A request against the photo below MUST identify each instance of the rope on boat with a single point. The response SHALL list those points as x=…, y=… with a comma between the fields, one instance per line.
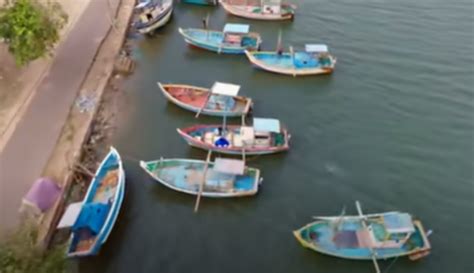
x=390, y=265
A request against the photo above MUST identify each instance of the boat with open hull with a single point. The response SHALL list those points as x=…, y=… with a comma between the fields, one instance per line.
x=99, y=209
x=223, y=178
x=314, y=60
x=259, y=139
x=220, y=100
x=234, y=39
x=269, y=10
x=366, y=237
x=153, y=15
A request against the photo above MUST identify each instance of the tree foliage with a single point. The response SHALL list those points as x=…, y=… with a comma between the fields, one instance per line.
x=20, y=254
x=31, y=28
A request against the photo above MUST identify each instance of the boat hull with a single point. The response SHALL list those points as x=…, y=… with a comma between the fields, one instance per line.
x=158, y=24
x=290, y=71
x=151, y=168
x=186, y=134
x=113, y=212
x=327, y=247
x=240, y=11
x=215, y=46
x=242, y=108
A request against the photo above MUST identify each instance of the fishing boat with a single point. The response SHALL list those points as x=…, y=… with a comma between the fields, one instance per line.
x=366, y=237
x=153, y=15
x=222, y=178
x=265, y=136
x=233, y=39
x=270, y=10
x=95, y=217
x=314, y=60
x=201, y=2
x=220, y=100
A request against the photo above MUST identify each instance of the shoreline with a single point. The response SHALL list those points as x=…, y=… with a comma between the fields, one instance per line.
x=89, y=124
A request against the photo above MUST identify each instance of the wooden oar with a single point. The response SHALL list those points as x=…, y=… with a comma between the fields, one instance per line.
x=201, y=186
x=292, y=52
x=205, y=103
x=363, y=219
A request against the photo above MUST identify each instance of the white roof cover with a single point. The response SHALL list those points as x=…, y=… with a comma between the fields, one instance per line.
x=266, y=125
x=266, y=2
x=316, y=48
x=396, y=222
x=69, y=217
x=226, y=89
x=236, y=28
x=230, y=166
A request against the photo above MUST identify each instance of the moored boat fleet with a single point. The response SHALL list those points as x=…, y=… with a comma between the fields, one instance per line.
x=360, y=237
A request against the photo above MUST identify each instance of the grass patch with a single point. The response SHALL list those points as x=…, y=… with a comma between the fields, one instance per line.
x=19, y=253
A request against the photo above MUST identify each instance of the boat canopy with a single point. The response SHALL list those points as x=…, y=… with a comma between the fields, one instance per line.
x=266, y=125
x=229, y=166
x=225, y=89
x=316, y=48
x=398, y=222
x=236, y=28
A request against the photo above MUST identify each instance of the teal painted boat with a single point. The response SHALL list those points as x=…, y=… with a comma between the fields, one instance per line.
x=314, y=60
x=234, y=39
x=100, y=208
x=366, y=237
x=223, y=178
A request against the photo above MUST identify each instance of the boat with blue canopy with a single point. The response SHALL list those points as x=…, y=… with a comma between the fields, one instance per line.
x=233, y=39
x=366, y=237
x=92, y=220
x=314, y=60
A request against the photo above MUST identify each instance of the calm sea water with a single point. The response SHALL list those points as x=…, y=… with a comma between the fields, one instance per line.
x=392, y=128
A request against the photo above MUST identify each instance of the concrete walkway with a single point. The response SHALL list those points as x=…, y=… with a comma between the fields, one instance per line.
x=24, y=156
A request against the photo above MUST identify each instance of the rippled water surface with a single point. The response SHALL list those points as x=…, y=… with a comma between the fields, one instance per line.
x=392, y=127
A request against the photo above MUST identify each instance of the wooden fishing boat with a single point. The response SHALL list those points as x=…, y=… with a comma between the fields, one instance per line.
x=270, y=10
x=366, y=237
x=153, y=15
x=99, y=210
x=234, y=39
x=266, y=136
x=220, y=100
x=220, y=179
x=314, y=60
x=201, y=2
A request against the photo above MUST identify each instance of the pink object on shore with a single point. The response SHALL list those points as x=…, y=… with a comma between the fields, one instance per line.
x=43, y=194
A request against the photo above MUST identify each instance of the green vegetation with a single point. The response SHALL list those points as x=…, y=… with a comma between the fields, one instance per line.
x=20, y=254
x=30, y=28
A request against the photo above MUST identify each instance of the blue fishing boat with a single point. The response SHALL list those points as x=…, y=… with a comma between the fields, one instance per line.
x=234, y=39
x=201, y=2
x=366, y=237
x=99, y=210
x=314, y=60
